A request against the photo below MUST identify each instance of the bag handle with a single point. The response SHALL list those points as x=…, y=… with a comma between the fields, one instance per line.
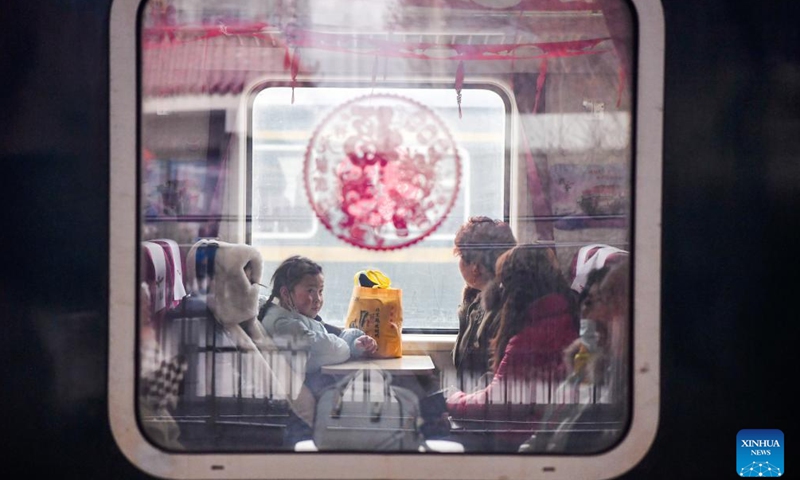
x=341, y=386
x=377, y=407
x=371, y=279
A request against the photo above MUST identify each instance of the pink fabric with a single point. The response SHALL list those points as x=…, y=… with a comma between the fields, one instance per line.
x=155, y=275
x=175, y=286
x=534, y=354
x=163, y=274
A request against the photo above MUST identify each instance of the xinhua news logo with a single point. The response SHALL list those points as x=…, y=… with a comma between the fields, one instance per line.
x=759, y=453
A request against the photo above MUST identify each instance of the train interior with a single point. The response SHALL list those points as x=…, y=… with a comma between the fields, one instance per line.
x=362, y=135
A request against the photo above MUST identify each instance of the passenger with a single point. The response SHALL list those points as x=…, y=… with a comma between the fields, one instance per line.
x=535, y=324
x=590, y=258
x=298, y=284
x=605, y=302
x=584, y=356
x=478, y=243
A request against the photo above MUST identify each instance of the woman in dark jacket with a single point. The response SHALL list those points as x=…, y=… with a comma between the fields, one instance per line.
x=479, y=242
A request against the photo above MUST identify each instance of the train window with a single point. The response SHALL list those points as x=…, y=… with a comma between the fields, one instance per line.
x=495, y=163
x=284, y=222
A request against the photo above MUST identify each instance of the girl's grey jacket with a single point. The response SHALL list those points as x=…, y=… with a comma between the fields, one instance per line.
x=324, y=348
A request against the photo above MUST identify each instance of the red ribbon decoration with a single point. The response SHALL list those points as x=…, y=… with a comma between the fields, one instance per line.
x=295, y=69
x=330, y=42
x=287, y=58
x=459, y=84
x=621, y=86
x=292, y=38
x=540, y=83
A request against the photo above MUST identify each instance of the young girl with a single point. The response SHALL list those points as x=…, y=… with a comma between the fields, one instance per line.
x=297, y=284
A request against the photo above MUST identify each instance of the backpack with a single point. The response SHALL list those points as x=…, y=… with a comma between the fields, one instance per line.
x=352, y=415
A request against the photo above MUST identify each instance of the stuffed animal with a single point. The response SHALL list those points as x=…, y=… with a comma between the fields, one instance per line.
x=227, y=276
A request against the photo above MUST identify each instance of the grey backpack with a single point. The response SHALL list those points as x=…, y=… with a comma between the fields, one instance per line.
x=359, y=413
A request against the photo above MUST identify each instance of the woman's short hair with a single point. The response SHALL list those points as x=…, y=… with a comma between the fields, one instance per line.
x=482, y=240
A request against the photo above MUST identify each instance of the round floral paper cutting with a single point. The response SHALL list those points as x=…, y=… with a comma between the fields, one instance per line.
x=382, y=172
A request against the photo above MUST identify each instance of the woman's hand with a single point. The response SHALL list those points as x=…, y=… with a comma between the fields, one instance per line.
x=366, y=345
x=450, y=391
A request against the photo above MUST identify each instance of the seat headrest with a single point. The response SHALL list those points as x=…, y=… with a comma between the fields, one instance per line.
x=592, y=257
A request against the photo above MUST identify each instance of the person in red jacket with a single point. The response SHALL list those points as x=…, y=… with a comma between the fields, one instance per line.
x=536, y=323
x=589, y=425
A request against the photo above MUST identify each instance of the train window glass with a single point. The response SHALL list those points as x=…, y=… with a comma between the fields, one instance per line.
x=284, y=222
x=364, y=135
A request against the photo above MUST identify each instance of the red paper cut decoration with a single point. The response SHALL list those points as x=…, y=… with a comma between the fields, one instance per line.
x=382, y=172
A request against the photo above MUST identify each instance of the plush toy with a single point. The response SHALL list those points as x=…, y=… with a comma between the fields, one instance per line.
x=227, y=276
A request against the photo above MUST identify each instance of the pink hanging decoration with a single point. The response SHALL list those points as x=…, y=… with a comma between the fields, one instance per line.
x=382, y=172
x=514, y=60
x=287, y=58
x=292, y=37
x=540, y=83
x=295, y=69
x=621, y=86
x=459, y=84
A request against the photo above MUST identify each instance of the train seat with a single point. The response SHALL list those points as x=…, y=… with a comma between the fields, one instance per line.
x=238, y=383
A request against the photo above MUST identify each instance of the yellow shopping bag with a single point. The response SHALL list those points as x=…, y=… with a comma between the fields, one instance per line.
x=378, y=312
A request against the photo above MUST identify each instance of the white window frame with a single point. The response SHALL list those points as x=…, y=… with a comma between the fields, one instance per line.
x=123, y=300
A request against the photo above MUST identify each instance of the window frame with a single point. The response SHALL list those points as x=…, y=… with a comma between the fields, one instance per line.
x=123, y=277
x=510, y=156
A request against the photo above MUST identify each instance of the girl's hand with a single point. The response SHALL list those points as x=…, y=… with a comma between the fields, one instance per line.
x=366, y=345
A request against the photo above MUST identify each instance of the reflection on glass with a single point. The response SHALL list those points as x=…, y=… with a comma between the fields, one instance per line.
x=479, y=155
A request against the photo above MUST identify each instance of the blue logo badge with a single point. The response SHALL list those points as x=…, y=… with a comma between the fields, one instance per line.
x=759, y=453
